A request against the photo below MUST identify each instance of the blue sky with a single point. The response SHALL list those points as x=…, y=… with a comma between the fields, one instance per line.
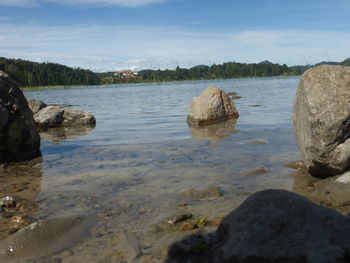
x=110, y=35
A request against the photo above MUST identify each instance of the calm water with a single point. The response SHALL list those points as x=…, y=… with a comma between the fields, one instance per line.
x=153, y=113
x=142, y=155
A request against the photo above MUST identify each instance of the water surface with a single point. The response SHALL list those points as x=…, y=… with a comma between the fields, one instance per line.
x=132, y=168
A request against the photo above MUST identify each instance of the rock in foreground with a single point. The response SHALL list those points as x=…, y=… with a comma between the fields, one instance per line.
x=321, y=119
x=272, y=226
x=212, y=106
x=19, y=139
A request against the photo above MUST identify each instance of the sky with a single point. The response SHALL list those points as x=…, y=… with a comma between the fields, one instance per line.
x=112, y=35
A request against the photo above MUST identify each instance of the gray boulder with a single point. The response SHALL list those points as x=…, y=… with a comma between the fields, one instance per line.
x=56, y=116
x=36, y=105
x=19, y=139
x=49, y=117
x=274, y=226
x=77, y=118
x=212, y=106
x=321, y=119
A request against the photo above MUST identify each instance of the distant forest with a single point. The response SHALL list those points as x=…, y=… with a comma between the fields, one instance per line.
x=216, y=71
x=31, y=74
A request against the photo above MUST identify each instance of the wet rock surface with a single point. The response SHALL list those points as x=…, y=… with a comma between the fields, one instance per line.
x=19, y=138
x=271, y=226
x=212, y=106
x=321, y=119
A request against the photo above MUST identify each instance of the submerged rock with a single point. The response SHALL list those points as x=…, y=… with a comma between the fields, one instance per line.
x=211, y=191
x=212, y=106
x=321, y=119
x=19, y=138
x=272, y=226
x=332, y=192
x=46, y=237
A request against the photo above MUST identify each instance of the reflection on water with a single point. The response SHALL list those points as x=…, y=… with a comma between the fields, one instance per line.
x=214, y=132
x=64, y=133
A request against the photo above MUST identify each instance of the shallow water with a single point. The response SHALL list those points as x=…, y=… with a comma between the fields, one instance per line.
x=132, y=168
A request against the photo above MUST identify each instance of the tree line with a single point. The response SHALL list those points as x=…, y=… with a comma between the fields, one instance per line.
x=29, y=74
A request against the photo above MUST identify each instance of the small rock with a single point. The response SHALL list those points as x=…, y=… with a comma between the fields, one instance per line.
x=213, y=222
x=257, y=171
x=8, y=202
x=344, y=178
x=36, y=105
x=212, y=106
x=185, y=226
x=18, y=221
x=298, y=165
x=180, y=218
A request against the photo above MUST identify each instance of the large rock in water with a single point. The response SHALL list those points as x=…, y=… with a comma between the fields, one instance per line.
x=321, y=119
x=212, y=106
x=57, y=116
x=19, y=139
x=274, y=226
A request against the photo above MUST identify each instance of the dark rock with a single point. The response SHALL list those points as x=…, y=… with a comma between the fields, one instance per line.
x=212, y=106
x=321, y=119
x=36, y=105
x=19, y=138
x=273, y=226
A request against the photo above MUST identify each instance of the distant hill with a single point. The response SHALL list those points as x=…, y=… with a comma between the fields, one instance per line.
x=346, y=62
x=27, y=73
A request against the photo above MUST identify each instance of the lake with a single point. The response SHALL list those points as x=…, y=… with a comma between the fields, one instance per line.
x=138, y=166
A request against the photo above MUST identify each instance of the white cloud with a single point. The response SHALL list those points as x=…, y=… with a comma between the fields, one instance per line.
x=111, y=48
x=20, y=3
